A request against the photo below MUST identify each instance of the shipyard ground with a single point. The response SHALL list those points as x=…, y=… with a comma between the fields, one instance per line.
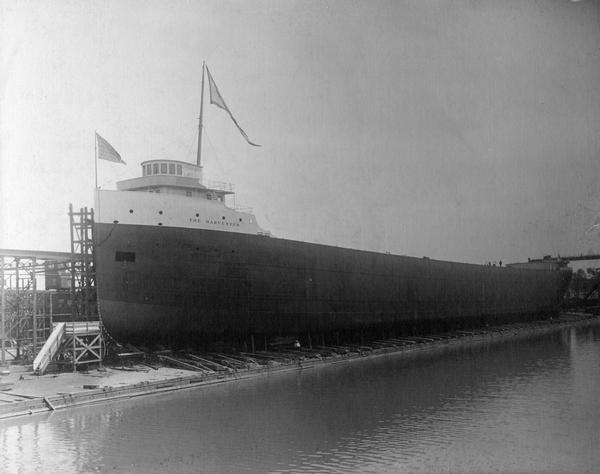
x=22, y=393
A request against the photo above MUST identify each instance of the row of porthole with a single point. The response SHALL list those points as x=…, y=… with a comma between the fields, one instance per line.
x=131, y=212
x=160, y=212
x=198, y=215
x=160, y=223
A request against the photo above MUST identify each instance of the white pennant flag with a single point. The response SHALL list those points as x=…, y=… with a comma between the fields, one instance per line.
x=217, y=99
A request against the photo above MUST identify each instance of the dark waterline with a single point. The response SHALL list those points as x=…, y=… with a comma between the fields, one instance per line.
x=529, y=405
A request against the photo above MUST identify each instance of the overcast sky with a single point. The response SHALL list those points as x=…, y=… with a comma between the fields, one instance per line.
x=463, y=130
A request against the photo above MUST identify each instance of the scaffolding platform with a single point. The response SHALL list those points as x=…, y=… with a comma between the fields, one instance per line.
x=28, y=321
x=26, y=311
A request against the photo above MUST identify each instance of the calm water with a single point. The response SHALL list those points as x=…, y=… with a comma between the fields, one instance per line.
x=521, y=406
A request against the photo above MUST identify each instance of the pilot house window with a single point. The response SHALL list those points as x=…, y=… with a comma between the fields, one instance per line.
x=155, y=168
x=179, y=170
x=171, y=168
x=163, y=168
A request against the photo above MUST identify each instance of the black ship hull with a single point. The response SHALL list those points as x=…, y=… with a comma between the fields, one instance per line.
x=177, y=286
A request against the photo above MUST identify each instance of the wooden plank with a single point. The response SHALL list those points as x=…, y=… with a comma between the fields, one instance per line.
x=28, y=397
x=40, y=254
x=179, y=363
x=208, y=362
x=238, y=359
x=130, y=354
x=49, y=404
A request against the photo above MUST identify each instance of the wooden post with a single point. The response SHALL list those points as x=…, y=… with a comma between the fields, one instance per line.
x=95, y=161
x=51, y=311
x=34, y=308
x=252, y=342
x=2, y=312
x=17, y=278
x=72, y=265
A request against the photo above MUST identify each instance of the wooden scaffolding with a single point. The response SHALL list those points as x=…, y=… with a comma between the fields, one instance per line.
x=83, y=335
x=26, y=321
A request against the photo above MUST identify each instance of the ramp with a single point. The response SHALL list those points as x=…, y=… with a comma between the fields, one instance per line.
x=49, y=350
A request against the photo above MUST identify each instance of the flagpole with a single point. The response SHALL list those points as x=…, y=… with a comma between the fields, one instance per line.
x=199, y=155
x=96, y=158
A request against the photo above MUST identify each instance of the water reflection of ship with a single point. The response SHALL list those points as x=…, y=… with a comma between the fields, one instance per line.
x=402, y=407
x=176, y=264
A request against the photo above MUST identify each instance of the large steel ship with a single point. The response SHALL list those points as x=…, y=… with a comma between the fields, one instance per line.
x=176, y=265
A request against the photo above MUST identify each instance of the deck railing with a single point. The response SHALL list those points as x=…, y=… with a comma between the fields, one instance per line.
x=246, y=209
x=218, y=185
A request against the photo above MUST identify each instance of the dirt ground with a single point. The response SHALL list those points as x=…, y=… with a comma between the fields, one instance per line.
x=26, y=385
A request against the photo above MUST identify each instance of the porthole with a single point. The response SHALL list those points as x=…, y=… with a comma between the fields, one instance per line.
x=240, y=219
x=197, y=215
x=160, y=212
x=115, y=222
x=160, y=223
x=130, y=211
x=223, y=217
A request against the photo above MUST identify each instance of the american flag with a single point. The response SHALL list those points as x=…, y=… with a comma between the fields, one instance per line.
x=106, y=151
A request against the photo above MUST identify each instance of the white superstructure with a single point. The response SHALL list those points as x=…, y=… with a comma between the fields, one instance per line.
x=170, y=193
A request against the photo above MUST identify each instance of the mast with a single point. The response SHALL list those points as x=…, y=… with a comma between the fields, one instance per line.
x=199, y=155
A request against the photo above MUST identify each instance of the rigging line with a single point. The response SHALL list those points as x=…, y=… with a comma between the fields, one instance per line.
x=192, y=148
x=108, y=236
x=216, y=158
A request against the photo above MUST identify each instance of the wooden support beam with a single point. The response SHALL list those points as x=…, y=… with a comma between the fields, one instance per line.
x=208, y=362
x=183, y=365
x=49, y=404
